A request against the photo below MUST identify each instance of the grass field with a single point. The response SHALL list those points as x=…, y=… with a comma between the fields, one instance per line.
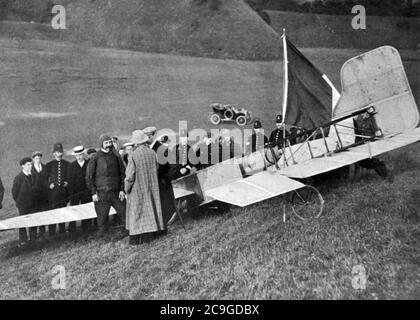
x=54, y=92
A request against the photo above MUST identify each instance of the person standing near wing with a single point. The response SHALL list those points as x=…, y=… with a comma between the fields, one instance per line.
x=276, y=135
x=105, y=179
x=23, y=193
x=257, y=140
x=144, y=213
x=41, y=186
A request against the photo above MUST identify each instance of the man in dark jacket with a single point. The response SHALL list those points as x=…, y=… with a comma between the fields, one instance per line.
x=23, y=193
x=276, y=135
x=105, y=179
x=41, y=186
x=79, y=193
x=257, y=140
x=181, y=166
x=57, y=176
x=1, y=193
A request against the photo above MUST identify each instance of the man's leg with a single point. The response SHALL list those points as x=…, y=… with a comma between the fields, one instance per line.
x=119, y=206
x=102, y=208
x=23, y=236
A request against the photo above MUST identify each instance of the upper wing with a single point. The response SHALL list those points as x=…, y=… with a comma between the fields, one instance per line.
x=256, y=188
x=61, y=215
x=316, y=166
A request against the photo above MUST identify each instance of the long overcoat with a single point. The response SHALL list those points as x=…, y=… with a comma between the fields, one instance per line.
x=144, y=213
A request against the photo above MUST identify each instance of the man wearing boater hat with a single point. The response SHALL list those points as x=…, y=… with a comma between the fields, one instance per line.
x=79, y=193
x=57, y=176
x=276, y=135
x=105, y=179
x=257, y=140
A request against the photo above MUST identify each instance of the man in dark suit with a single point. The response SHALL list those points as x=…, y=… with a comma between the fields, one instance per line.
x=181, y=165
x=257, y=140
x=57, y=176
x=41, y=186
x=23, y=193
x=79, y=193
x=276, y=135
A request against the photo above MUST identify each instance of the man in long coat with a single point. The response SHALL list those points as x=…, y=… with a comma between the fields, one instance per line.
x=144, y=214
x=40, y=180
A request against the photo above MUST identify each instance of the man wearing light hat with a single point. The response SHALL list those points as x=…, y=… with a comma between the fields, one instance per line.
x=144, y=213
x=257, y=140
x=276, y=135
x=79, y=193
x=105, y=179
x=57, y=176
x=23, y=193
x=127, y=149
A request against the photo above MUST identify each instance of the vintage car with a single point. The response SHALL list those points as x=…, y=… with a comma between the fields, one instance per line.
x=228, y=112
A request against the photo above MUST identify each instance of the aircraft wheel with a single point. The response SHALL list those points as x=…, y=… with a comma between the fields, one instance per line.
x=215, y=119
x=241, y=120
x=307, y=203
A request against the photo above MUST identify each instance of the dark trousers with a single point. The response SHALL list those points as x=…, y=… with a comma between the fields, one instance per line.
x=41, y=205
x=23, y=236
x=80, y=199
x=58, y=199
x=108, y=199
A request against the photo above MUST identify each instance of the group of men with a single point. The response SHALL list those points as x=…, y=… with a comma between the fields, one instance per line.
x=132, y=180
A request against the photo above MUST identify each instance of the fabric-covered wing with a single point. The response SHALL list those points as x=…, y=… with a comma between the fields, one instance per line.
x=256, y=188
x=316, y=166
x=61, y=215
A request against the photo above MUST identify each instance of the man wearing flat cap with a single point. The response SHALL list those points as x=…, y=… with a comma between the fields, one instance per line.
x=257, y=140
x=57, y=175
x=144, y=213
x=276, y=135
x=105, y=179
x=79, y=193
x=23, y=193
x=41, y=186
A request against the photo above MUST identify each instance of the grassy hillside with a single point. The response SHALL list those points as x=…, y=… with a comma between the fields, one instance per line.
x=57, y=92
x=333, y=31
x=213, y=28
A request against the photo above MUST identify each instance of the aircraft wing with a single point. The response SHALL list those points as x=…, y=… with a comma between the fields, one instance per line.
x=55, y=216
x=253, y=189
x=368, y=150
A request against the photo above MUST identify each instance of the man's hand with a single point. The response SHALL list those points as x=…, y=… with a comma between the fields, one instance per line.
x=95, y=198
x=122, y=195
x=183, y=171
x=52, y=186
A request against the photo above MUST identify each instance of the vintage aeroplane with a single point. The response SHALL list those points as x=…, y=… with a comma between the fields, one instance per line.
x=374, y=88
x=375, y=91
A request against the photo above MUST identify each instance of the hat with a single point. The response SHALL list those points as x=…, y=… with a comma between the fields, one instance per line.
x=257, y=124
x=36, y=153
x=78, y=150
x=25, y=161
x=90, y=151
x=138, y=137
x=58, y=147
x=128, y=144
x=279, y=118
x=149, y=130
x=104, y=138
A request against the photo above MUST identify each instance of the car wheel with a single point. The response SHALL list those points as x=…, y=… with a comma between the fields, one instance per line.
x=241, y=120
x=215, y=119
